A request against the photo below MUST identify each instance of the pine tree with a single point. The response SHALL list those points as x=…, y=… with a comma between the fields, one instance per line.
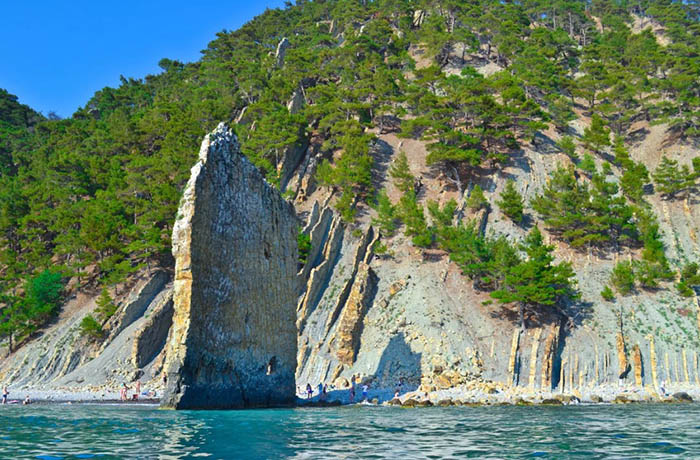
x=400, y=171
x=411, y=213
x=536, y=284
x=105, y=305
x=386, y=214
x=477, y=200
x=567, y=145
x=511, y=202
x=622, y=277
x=670, y=179
x=597, y=135
x=587, y=164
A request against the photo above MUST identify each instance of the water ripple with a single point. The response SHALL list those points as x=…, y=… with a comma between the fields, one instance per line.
x=644, y=431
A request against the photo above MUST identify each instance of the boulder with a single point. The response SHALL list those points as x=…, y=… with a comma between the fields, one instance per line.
x=567, y=399
x=682, y=396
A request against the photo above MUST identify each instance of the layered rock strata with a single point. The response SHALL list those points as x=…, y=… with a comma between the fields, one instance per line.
x=234, y=340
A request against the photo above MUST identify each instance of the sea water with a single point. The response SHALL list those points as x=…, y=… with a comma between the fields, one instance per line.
x=91, y=431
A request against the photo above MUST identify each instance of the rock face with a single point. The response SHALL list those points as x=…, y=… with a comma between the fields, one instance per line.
x=281, y=52
x=234, y=340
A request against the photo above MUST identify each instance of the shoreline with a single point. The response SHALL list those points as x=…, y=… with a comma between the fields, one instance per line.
x=481, y=394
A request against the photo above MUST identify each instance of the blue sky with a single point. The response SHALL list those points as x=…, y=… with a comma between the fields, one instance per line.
x=55, y=55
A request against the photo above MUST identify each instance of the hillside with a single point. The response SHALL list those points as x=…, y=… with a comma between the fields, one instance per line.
x=395, y=128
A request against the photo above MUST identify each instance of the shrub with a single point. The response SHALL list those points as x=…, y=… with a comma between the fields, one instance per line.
x=386, y=214
x=622, y=277
x=105, y=306
x=477, y=200
x=90, y=327
x=607, y=294
x=511, y=202
x=304, y=245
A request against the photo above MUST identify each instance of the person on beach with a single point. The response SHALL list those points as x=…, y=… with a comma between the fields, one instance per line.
x=365, y=389
x=26, y=401
x=309, y=391
x=138, y=390
x=352, y=393
x=324, y=394
x=122, y=392
x=320, y=390
x=5, y=394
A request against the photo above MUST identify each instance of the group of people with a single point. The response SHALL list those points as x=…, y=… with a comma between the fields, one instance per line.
x=124, y=392
x=6, y=394
x=323, y=391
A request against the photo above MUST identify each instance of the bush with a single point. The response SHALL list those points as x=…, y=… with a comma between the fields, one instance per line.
x=587, y=164
x=105, y=306
x=567, y=145
x=622, y=277
x=414, y=218
x=304, y=245
x=386, y=214
x=607, y=294
x=477, y=200
x=43, y=297
x=90, y=327
x=511, y=203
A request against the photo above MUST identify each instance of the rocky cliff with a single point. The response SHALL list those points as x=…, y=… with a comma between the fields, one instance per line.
x=408, y=315
x=370, y=307
x=233, y=339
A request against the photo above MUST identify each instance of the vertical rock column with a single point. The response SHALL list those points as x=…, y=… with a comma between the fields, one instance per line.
x=234, y=337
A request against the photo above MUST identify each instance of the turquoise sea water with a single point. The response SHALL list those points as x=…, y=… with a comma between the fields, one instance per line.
x=89, y=431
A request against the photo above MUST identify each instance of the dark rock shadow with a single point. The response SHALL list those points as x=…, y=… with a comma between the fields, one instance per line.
x=399, y=369
x=381, y=152
x=519, y=160
x=398, y=364
x=545, y=144
x=637, y=136
x=573, y=313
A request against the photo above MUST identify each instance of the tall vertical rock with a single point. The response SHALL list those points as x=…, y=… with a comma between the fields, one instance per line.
x=234, y=338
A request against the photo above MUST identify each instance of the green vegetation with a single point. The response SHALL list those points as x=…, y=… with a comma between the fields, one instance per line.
x=586, y=214
x=690, y=279
x=22, y=315
x=597, y=135
x=567, y=145
x=671, y=180
x=105, y=305
x=91, y=328
x=477, y=200
x=387, y=216
x=400, y=172
x=607, y=294
x=304, y=246
x=536, y=283
x=622, y=277
x=511, y=202
x=587, y=164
